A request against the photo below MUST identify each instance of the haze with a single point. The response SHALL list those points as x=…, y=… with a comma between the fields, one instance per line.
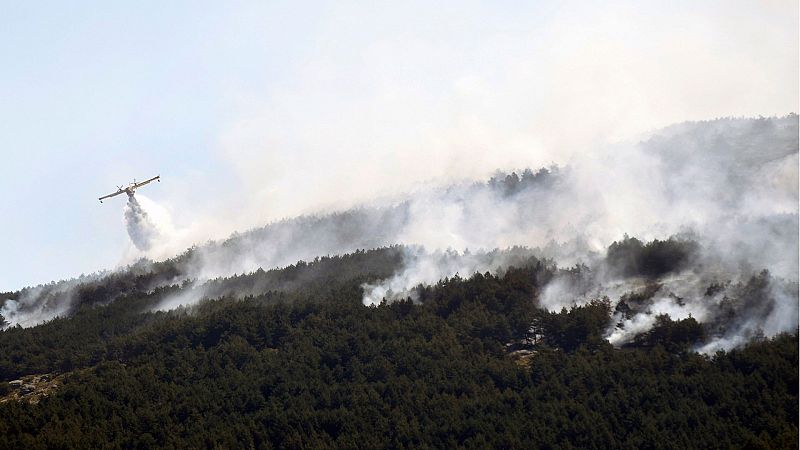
x=254, y=112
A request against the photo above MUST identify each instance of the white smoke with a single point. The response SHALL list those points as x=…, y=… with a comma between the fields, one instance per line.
x=424, y=268
x=400, y=97
x=730, y=185
x=38, y=304
x=190, y=294
x=141, y=229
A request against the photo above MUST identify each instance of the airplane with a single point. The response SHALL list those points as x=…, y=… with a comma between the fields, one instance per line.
x=129, y=189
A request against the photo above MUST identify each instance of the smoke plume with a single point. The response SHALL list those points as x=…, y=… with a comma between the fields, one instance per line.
x=34, y=305
x=682, y=223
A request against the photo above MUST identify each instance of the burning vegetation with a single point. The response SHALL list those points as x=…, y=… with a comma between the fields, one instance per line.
x=511, y=313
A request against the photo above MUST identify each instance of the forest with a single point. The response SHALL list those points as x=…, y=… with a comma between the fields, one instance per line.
x=470, y=362
x=507, y=313
x=400, y=225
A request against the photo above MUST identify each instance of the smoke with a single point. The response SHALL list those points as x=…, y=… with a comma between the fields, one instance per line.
x=402, y=98
x=726, y=189
x=377, y=101
x=142, y=231
x=152, y=235
x=426, y=268
x=715, y=180
x=720, y=196
x=190, y=294
x=754, y=308
x=34, y=305
x=724, y=192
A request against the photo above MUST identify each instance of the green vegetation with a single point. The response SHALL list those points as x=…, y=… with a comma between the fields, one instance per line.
x=302, y=363
x=632, y=257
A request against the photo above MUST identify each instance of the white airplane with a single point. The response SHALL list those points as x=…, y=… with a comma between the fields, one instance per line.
x=129, y=189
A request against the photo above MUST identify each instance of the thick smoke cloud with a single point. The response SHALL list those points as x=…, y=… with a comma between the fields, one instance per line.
x=34, y=305
x=725, y=191
x=403, y=98
x=729, y=185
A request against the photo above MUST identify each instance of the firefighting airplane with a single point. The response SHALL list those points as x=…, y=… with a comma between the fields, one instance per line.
x=129, y=189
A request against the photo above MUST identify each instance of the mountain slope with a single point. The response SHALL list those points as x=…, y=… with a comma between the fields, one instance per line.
x=320, y=369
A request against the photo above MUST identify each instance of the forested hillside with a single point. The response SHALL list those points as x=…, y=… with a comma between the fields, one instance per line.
x=473, y=362
x=729, y=185
x=646, y=300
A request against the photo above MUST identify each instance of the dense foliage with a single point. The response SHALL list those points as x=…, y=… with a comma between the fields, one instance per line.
x=305, y=364
x=632, y=257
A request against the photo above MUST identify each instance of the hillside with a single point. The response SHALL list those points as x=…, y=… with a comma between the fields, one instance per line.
x=462, y=366
x=540, y=308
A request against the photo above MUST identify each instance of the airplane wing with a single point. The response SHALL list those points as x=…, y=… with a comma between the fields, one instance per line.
x=110, y=195
x=157, y=177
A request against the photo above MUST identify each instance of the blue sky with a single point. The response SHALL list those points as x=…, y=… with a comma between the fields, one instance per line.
x=253, y=111
x=94, y=94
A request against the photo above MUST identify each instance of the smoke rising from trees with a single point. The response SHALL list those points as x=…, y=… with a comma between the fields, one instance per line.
x=707, y=206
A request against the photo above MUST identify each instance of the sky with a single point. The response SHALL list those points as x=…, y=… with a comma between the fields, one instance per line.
x=255, y=111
